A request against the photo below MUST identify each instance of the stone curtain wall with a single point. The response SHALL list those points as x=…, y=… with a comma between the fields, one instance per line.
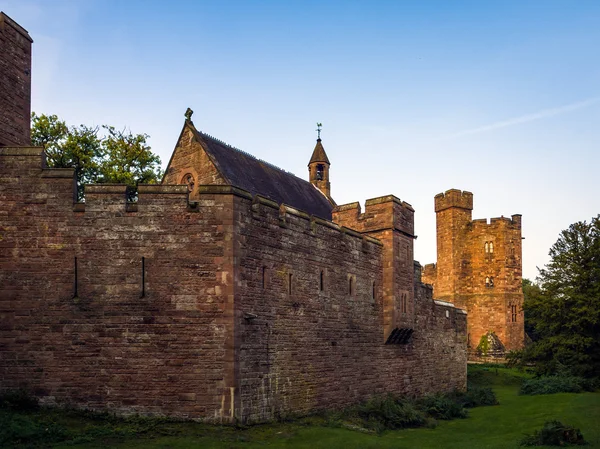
x=221, y=332
x=15, y=83
x=307, y=349
x=169, y=352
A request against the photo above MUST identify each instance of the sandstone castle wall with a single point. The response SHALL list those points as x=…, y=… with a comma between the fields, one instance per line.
x=15, y=83
x=170, y=315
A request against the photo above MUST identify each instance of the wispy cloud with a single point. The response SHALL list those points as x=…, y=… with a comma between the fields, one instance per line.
x=544, y=113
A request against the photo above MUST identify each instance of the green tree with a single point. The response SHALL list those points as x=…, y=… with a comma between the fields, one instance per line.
x=565, y=312
x=531, y=294
x=112, y=157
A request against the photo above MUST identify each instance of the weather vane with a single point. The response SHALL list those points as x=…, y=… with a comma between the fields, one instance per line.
x=188, y=114
x=319, y=126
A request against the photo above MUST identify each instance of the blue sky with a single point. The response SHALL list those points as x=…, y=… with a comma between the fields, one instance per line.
x=416, y=97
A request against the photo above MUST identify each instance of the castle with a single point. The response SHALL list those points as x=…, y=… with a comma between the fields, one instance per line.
x=234, y=291
x=479, y=269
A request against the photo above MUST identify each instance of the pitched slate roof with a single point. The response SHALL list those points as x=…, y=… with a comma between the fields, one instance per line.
x=245, y=171
x=319, y=154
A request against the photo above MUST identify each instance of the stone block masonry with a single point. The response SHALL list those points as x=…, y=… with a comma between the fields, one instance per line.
x=479, y=268
x=15, y=83
x=229, y=307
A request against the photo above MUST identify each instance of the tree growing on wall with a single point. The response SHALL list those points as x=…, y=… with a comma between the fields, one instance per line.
x=99, y=155
x=564, y=313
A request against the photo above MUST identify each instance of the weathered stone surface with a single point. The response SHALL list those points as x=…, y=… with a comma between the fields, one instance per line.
x=479, y=268
x=15, y=83
x=218, y=333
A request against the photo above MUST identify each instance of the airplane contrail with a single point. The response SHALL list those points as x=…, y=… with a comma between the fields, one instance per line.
x=544, y=113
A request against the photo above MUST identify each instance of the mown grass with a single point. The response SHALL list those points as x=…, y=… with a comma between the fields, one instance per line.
x=499, y=426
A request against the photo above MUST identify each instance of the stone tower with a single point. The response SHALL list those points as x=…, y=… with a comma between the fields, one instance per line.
x=318, y=169
x=479, y=269
x=15, y=83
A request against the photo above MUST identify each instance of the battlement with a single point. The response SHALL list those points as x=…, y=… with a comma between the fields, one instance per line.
x=498, y=222
x=263, y=207
x=453, y=198
x=384, y=212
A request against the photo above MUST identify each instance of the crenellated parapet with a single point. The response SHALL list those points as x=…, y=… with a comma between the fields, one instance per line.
x=497, y=223
x=381, y=213
x=453, y=198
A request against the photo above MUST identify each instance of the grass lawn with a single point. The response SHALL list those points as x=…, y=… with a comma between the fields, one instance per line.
x=500, y=426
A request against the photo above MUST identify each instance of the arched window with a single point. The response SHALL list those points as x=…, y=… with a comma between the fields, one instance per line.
x=487, y=247
x=491, y=247
x=189, y=180
x=491, y=282
x=487, y=281
x=322, y=281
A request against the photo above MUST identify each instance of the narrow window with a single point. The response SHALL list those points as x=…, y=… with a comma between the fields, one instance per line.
x=143, y=294
x=491, y=282
x=513, y=310
x=487, y=247
x=491, y=247
x=404, y=302
x=264, y=277
x=350, y=286
x=290, y=277
x=75, y=294
x=373, y=292
x=487, y=281
x=322, y=281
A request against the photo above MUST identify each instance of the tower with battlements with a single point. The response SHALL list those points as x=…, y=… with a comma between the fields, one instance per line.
x=479, y=269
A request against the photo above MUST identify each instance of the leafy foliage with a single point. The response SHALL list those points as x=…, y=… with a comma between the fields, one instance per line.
x=392, y=412
x=554, y=433
x=19, y=430
x=444, y=407
x=564, y=312
x=110, y=156
x=475, y=396
x=556, y=384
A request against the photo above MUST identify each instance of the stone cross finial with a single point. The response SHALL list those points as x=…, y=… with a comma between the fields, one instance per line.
x=188, y=114
x=319, y=126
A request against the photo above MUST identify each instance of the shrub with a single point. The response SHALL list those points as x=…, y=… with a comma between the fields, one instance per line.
x=556, y=384
x=18, y=400
x=388, y=412
x=441, y=406
x=476, y=397
x=554, y=433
